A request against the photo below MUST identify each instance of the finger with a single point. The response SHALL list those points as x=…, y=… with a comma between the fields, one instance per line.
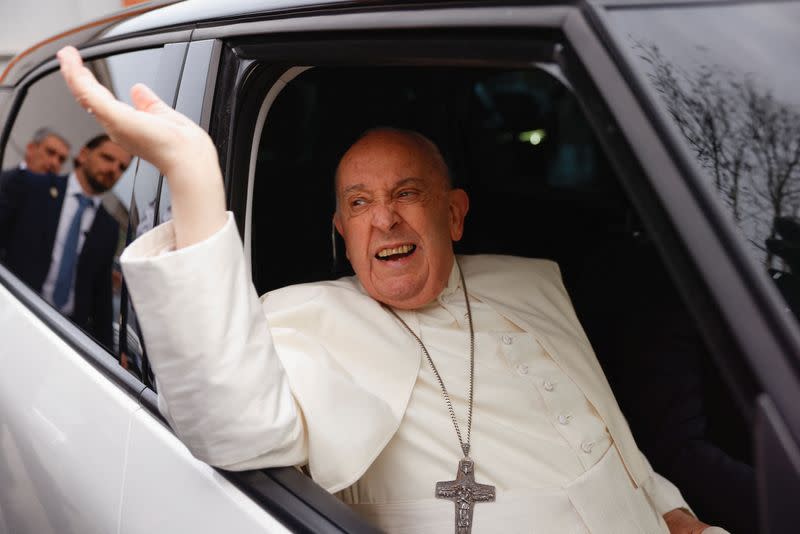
x=89, y=93
x=144, y=99
x=79, y=80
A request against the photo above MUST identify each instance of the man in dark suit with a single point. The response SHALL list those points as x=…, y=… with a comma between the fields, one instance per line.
x=57, y=237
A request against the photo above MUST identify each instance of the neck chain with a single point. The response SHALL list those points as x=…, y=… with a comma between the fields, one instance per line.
x=463, y=491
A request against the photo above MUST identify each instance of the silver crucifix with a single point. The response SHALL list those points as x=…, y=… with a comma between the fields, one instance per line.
x=464, y=492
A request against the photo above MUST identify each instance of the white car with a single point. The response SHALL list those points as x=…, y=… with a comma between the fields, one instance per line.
x=593, y=133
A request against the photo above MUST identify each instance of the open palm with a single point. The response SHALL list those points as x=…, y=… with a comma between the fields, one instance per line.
x=149, y=128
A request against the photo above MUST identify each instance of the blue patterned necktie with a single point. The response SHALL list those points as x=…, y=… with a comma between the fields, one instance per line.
x=69, y=255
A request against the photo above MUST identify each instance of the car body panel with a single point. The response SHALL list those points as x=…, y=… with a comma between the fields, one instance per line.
x=168, y=490
x=63, y=431
x=548, y=16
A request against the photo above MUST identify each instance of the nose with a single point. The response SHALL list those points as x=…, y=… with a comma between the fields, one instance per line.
x=53, y=165
x=384, y=217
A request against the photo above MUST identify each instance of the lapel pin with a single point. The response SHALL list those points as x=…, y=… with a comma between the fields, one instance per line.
x=54, y=192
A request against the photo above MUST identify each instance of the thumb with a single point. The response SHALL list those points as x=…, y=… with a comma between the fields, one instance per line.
x=144, y=99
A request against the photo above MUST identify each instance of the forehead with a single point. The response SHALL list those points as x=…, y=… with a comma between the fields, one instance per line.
x=385, y=160
x=110, y=148
x=52, y=141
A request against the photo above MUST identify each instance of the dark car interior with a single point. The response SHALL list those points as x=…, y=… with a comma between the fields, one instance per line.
x=540, y=186
x=514, y=140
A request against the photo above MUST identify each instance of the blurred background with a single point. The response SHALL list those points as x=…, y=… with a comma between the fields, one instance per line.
x=23, y=23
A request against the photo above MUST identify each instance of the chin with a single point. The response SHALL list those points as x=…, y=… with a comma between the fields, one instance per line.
x=405, y=300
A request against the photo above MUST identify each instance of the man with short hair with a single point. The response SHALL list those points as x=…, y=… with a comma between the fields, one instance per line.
x=57, y=237
x=374, y=381
x=46, y=152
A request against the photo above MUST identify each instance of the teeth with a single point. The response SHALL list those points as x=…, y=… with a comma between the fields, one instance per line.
x=403, y=249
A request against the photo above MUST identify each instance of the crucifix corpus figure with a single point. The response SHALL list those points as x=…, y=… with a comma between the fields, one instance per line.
x=464, y=492
x=331, y=376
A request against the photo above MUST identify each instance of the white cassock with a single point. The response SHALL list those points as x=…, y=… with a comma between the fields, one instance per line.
x=320, y=374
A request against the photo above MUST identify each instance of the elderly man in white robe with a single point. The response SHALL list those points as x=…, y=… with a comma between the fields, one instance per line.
x=429, y=392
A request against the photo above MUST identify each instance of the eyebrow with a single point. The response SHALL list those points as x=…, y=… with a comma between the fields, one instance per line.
x=352, y=188
x=361, y=187
x=408, y=181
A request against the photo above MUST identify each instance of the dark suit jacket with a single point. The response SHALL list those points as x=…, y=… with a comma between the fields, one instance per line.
x=30, y=206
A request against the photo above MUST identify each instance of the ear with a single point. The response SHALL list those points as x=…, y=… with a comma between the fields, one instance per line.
x=459, y=206
x=337, y=222
x=29, y=148
x=81, y=157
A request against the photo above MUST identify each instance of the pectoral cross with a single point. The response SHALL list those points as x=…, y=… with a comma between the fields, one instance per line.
x=464, y=492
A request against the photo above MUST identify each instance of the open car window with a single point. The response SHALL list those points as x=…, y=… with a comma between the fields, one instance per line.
x=514, y=139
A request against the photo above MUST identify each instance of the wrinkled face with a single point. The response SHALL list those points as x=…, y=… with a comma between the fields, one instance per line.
x=100, y=167
x=398, y=217
x=46, y=156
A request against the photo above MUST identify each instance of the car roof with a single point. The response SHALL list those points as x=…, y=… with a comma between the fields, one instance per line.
x=161, y=15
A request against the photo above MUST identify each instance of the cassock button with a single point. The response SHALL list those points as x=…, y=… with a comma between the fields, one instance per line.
x=548, y=386
x=522, y=369
x=587, y=446
x=508, y=340
x=563, y=419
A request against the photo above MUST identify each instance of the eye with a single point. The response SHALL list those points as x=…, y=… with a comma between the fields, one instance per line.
x=358, y=202
x=407, y=194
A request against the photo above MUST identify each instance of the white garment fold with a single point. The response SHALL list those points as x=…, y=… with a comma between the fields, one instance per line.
x=321, y=373
x=602, y=501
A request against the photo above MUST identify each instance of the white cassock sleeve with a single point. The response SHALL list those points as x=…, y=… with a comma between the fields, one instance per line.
x=663, y=495
x=221, y=384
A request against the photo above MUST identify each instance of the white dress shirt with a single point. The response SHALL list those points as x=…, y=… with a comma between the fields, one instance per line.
x=68, y=209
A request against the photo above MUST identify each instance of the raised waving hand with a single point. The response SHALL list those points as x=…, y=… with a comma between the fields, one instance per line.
x=180, y=149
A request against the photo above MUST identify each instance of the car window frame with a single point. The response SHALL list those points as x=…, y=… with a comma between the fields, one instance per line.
x=240, y=77
x=583, y=41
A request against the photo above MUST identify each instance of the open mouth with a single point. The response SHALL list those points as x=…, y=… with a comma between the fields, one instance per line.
x=395, y=253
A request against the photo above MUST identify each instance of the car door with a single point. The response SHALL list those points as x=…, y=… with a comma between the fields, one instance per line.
x=727, y=118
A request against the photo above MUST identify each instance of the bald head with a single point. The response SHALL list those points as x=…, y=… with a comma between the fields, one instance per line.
x=378, y=139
